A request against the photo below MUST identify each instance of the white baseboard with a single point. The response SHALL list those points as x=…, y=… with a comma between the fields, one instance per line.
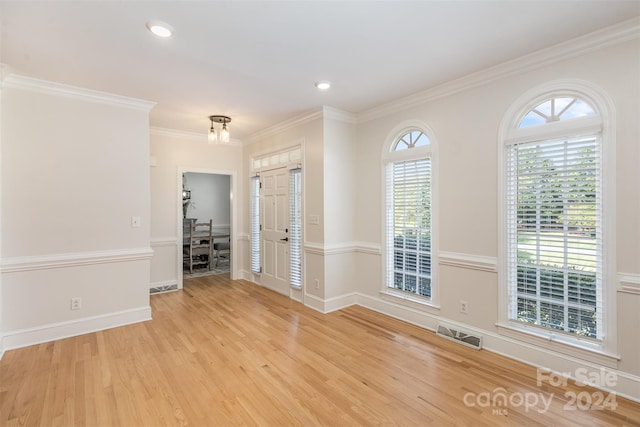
x=246, y=275
x=71, y=328
x=626, y=385
x=340, y=302
x=314, y=302
x=330, y=304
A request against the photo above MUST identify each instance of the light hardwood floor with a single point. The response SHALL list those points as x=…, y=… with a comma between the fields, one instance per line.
x=224, y=353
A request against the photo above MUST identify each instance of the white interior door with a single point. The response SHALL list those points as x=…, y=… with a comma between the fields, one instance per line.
x=275, y=229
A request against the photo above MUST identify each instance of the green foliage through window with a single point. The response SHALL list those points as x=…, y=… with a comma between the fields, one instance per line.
x=554, y=220
x=409, y=226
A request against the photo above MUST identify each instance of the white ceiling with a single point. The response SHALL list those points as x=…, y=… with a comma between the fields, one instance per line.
x=257, y=61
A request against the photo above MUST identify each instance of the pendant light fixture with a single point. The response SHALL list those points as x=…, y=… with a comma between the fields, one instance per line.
x=224, y=132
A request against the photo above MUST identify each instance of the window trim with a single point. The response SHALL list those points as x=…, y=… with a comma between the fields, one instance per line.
x=255, y=226
x=387, y=157
x=509, y=133
x=296, y=252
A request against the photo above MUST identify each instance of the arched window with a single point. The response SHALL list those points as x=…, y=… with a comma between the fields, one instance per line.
x=411, y=139
x=409, y=214
x=555, y=109
x=553, y=223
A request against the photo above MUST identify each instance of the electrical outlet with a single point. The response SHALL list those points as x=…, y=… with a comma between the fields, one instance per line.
x=317, y=283
x=135, y=221
x=464, y=307
x=76, y=303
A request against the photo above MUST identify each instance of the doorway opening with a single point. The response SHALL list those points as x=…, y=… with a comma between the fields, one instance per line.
x=206, y=207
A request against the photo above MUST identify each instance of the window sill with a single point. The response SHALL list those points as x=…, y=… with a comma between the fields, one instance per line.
x=417, y=303
x=572, y=347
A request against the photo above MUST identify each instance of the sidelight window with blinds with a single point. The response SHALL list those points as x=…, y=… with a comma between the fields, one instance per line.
x=408, y=215
x=554, y=217
x=295, y=231
x=255, y=225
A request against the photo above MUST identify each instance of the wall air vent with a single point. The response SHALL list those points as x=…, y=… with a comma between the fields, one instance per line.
x=462, y=337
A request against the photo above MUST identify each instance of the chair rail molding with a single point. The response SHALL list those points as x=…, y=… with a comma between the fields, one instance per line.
x=159, y=242
x=30, y=263
x=629, y=283
x=342, y=248
x=473, y=262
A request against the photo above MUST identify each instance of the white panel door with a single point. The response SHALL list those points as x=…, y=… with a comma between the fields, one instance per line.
x=275, y=229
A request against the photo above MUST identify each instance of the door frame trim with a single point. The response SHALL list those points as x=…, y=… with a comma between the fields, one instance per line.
x=296, y=294
x=233, y=217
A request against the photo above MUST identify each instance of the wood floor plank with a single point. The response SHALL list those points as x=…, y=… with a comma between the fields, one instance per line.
x=228, y=353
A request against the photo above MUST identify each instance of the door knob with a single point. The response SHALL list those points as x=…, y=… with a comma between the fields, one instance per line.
x=286, y=239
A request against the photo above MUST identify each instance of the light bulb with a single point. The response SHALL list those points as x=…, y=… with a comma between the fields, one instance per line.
x=213, y=137
x=224, y=133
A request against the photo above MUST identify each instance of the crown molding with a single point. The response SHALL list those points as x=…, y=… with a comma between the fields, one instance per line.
x=619, y=33
x=325, y=111
x=189, y=136
x=59, y=89
x=339, y=115
x=284, y=126
x=180, y=134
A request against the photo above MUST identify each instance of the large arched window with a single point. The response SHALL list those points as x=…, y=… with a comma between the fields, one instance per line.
x=553, y=226
x=409, y=214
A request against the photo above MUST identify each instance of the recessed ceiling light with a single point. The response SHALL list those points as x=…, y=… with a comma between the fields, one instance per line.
x=323, y=85
x=160, y=29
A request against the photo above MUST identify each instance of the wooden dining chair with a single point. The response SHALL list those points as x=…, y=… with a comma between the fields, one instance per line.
x=197, y=250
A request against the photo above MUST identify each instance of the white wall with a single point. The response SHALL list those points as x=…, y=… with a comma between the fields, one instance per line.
x=172, y=154
x=327, y=136
x=339, y=209
x=306, y=131
x=1, y=287
x=70, y=185
x=73, y=190
x=465, y=125
x=210, y=198
x=343, y=182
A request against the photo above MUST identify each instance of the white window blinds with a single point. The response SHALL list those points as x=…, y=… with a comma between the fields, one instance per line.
x=255, y=225
x=409, y=226
x=295, y=232
x=554, y=237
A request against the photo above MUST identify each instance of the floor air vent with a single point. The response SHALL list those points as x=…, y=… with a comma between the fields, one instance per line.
x=462, y=337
